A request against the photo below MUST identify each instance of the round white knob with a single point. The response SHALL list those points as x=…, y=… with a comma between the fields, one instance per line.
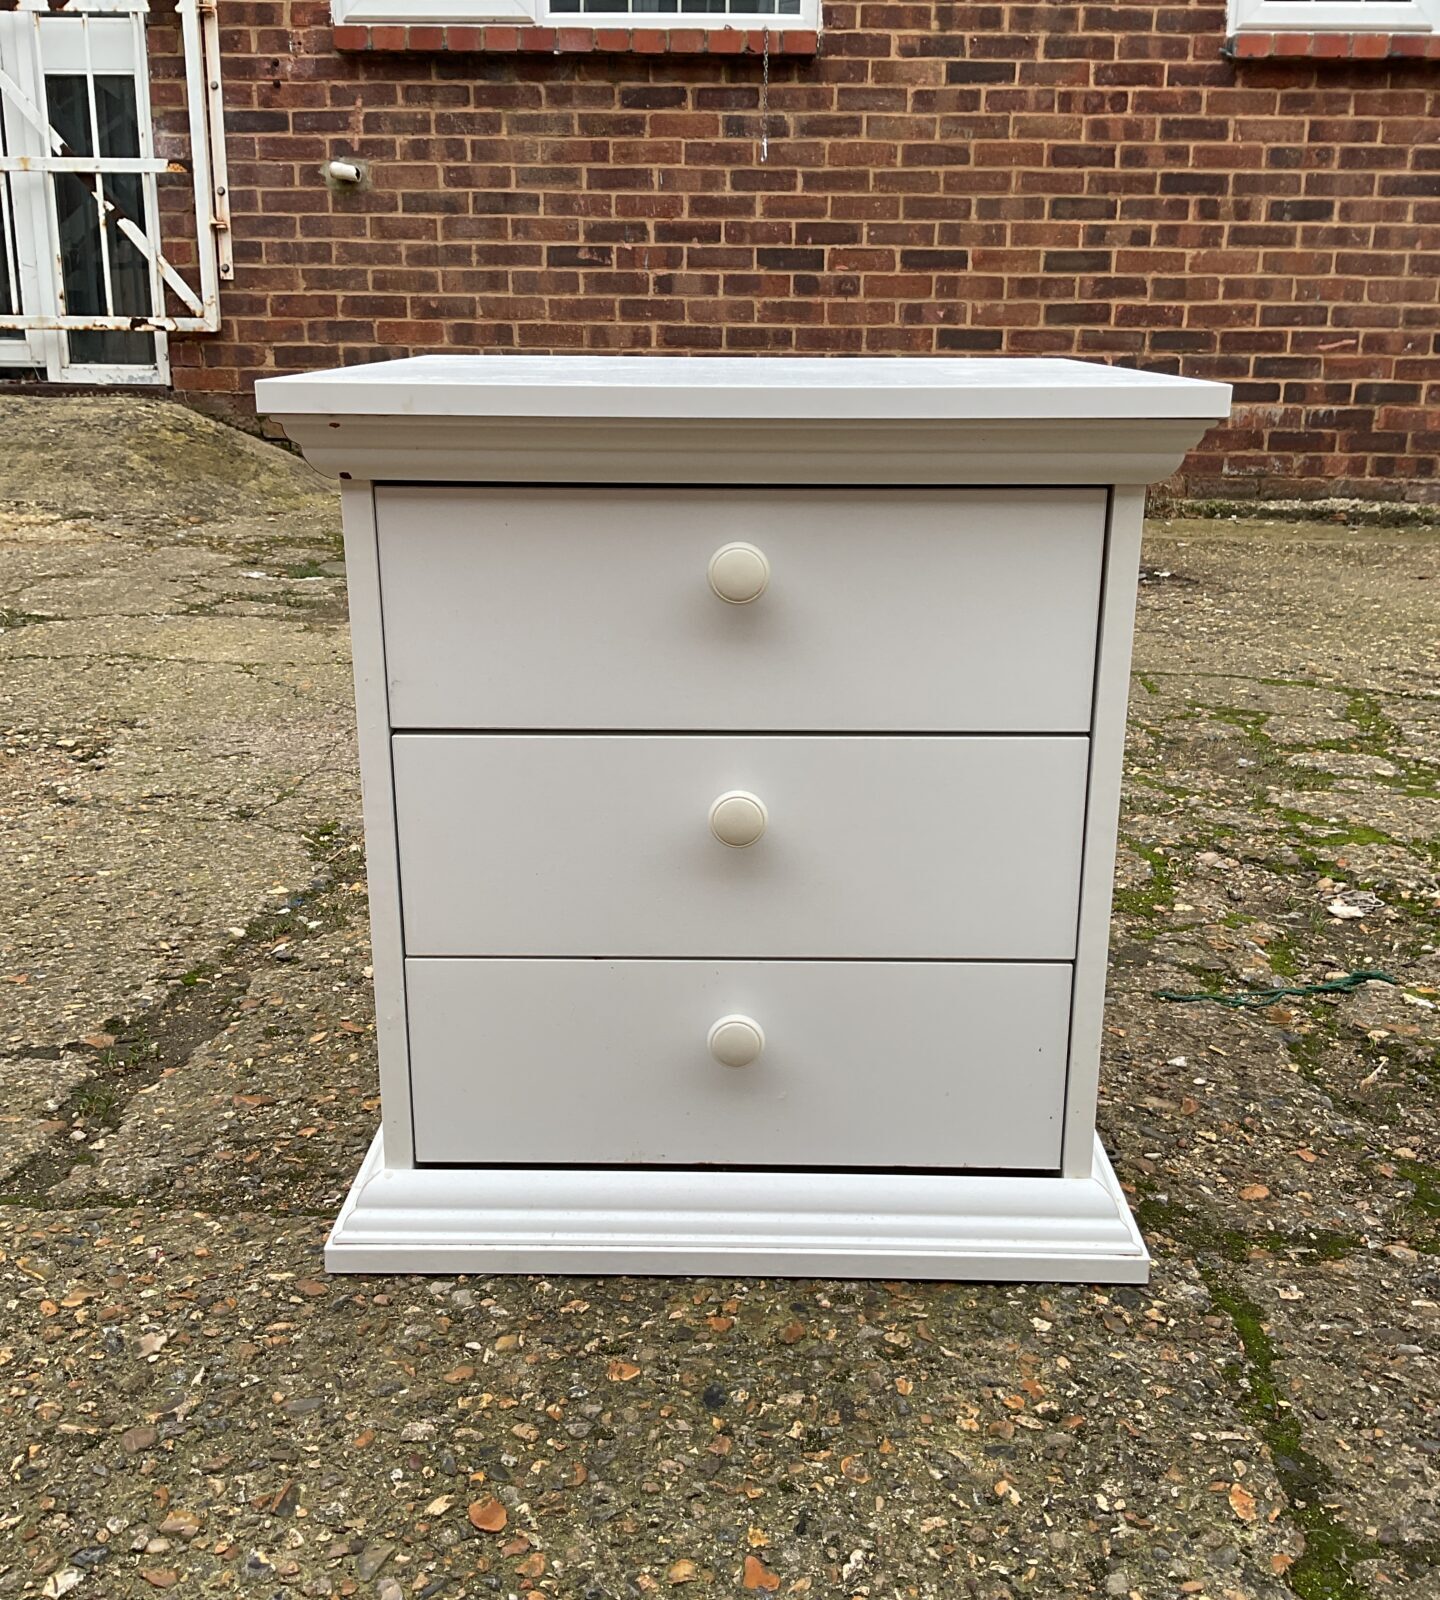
x=738, y=818
x=736, y=1041
x=739, y=573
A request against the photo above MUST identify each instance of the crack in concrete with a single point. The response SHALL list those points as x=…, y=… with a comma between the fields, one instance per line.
x=1326, y=1569
x=193, y=1011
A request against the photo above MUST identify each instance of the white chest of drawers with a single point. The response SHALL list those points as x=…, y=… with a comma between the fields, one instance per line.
x=741, y=748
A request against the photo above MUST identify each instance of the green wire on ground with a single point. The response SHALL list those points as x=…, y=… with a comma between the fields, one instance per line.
x=1268, y=997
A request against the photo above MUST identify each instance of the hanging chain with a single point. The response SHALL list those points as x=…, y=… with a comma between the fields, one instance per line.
x=765, y=101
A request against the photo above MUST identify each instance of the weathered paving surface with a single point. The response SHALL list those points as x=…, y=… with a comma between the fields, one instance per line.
x=188, y=1403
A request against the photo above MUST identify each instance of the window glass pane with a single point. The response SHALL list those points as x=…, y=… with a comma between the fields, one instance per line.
x=9, y=251
x=129, y=270
x=82, y=262
x=119, y=120
x=641, y=8
x=69, y=110
x=9, y=289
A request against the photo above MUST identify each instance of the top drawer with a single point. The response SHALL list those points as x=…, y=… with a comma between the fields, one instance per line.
x=960, y=610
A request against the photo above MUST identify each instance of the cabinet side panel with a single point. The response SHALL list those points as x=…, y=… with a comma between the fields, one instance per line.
x=1102, y=819
x=362, y=572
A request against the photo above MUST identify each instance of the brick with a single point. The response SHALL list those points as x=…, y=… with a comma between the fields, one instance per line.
x=1370, y=46
x=987, y=340
x=1076, y=261
x=1301, y=210
x=790, y=260
x=1329, y=46
x=934, y=260
x=654, y=96
x=981, y=72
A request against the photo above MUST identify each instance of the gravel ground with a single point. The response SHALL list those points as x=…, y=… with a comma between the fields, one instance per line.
x=187, y=1401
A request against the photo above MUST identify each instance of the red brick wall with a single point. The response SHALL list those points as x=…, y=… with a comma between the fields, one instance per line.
x=1065, y=179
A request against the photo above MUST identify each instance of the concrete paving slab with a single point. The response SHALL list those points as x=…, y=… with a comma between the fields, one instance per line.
x=616, y=1437
x=36, y=1087
x=188, y=1403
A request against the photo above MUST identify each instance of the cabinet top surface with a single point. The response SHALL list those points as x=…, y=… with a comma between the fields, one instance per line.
x=961, y=388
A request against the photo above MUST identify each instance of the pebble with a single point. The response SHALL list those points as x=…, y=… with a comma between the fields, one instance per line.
x=372, y=1558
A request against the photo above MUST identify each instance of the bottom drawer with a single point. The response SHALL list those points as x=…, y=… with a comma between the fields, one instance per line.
x=861, y=1064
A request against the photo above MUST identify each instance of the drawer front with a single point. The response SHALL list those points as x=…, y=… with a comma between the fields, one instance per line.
x=580, y=845
x=885, y=610
x=888, y=1064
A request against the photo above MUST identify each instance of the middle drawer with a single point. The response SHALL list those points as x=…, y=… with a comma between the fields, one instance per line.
x=585, y=845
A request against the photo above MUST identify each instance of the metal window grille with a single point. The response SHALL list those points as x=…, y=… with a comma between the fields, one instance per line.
x=80, y=243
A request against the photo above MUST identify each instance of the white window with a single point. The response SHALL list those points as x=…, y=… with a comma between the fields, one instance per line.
x=1335, y=16
x=87, y=294
x=776, y=15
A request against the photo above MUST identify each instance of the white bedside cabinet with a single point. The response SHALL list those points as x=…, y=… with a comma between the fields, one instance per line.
x=741, y=746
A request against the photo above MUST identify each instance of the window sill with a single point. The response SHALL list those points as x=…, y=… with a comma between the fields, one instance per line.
x=1332, y=47
x=509, y=40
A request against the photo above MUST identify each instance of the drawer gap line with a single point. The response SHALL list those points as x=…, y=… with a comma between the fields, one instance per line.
x=774, y=961
x=477, y=732
x=734, y=1166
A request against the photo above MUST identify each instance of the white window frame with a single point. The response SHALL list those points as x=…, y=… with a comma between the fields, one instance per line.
x=538, y=14
x=1335, y=16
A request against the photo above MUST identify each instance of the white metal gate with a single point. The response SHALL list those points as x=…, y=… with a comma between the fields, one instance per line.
x=86, y=292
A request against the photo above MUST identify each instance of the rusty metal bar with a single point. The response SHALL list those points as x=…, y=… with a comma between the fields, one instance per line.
x=36, y=115
x=209, y=65
x=201, y=155
x=121, y=323
x=96, y=7
x=83, y=164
